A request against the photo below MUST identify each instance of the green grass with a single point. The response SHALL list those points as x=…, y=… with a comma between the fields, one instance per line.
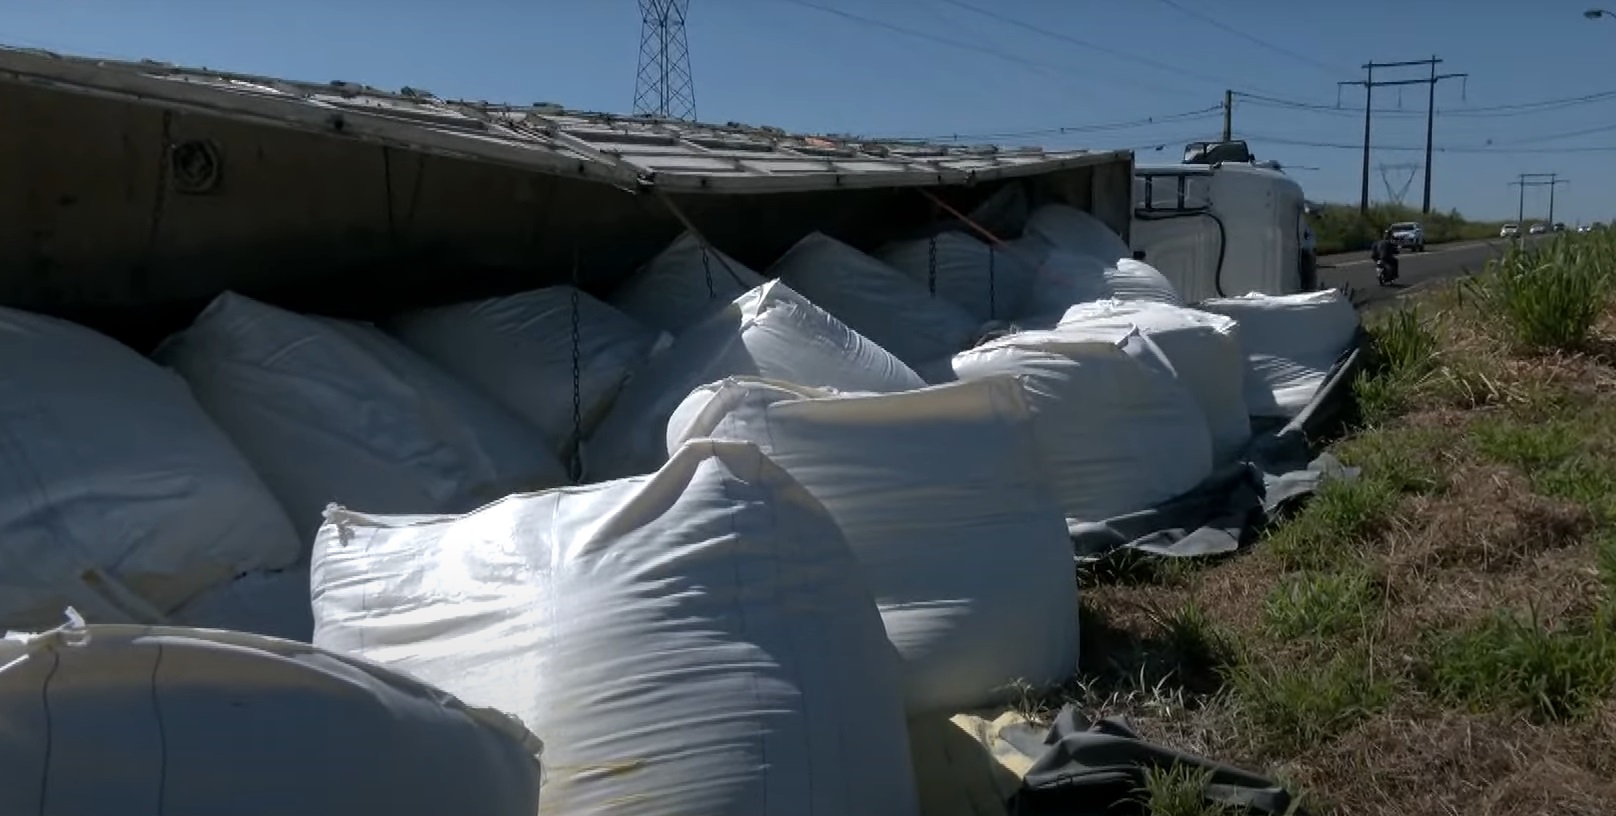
x=1550, y=295
x=1516, y=663
x=1179, y=790
x=1374, y=634
x=1341, y=228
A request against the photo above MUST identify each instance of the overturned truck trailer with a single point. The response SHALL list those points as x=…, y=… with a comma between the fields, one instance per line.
x=137, y=191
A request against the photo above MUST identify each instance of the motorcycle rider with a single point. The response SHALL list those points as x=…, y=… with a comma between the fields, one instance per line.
x=1385, y=251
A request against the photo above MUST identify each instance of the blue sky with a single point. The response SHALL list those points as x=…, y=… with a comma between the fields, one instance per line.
x=1019, y=74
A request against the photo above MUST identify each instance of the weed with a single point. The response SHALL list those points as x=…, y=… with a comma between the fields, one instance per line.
x=1322, y=604
x=1179, y=790
x=1339, y=521
x=1550, y=295
x=1300, y=705
x=1510, y=663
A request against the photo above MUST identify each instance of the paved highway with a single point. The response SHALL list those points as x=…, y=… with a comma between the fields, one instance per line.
x=1440, y=262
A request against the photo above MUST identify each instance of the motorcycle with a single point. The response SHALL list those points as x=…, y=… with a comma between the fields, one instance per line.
x=1383, y=273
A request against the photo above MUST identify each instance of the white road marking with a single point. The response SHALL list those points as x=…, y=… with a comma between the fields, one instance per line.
x=1435, y=250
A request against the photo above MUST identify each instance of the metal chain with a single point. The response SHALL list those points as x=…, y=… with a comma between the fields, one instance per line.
x=707, y=269
x=931, y=265
x=575, y=466
x=993, y=284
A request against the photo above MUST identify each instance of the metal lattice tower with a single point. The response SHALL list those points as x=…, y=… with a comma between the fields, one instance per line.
x=1407, y=171
x=665, y=87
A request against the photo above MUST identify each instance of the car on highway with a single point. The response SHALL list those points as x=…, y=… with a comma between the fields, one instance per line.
x=1509, y=231
x=1537, y=229
x=1408, y=235
x=1559, y=226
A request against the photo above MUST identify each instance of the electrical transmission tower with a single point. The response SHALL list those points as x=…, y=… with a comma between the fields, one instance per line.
x=1406, y=170
x=1369, y=85
x=664, y=88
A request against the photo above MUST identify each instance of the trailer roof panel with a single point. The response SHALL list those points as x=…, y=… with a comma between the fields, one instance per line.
x=625, y=151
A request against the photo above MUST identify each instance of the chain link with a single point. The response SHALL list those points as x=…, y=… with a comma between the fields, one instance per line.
x=575, y=465
x=707, y=269
x=931, y=264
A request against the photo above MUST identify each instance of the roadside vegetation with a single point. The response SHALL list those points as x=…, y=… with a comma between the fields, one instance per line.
x=1341, y=228
x=1438, y=635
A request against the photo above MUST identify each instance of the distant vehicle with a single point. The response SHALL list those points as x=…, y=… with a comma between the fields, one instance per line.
x=1510, y=231
x=1559, y=226
x=1408, y=235
x=1537, y=229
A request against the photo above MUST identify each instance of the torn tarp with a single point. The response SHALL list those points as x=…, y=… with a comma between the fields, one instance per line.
x=1097, y=769
x=1278, y=467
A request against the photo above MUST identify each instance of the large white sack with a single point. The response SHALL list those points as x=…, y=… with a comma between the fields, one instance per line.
x=1203, y=348
x=117, y=493
x=683, y=284
x=129, y=719
x=1291, y=342
x=770, y=332
x=274, y=603
x=941, y=494
x=875, y=300
x=1076, y=231
x=1118, y=431
x=1066, y=278
x=696, y=641
x=990, y=282
x=332, y=411
x=520, y=349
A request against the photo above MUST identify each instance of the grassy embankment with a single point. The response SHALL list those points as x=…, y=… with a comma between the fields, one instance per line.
x=1436, y=636
x=1341, y=228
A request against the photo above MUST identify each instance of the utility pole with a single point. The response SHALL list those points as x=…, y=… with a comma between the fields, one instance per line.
x=1525, y=180
x=1369, y=85
x=1228, y=115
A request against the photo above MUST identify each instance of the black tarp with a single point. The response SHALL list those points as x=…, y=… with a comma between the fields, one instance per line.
x=1279, y=466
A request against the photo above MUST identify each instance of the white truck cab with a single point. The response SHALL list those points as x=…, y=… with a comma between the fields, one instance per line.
x=1225, y=228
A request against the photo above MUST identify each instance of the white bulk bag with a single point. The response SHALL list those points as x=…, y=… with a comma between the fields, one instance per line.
x=941, y=494
x=274, y=603
x=1076, y=231
x=117, y=493
x=1291, y=342
x=1203, y=348
x=332, y=411
x=769, y=332
x=989, y=281
x=520, y=349
x=1118, y=431
x=1066, y=278
x=697, y=641
x=683, y=284
x=875, y=300
x=129, y=719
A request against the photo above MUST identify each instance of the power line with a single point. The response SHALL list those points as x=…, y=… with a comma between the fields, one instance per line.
x=1148, y=121
x=1467, y=149
x=1479, y=111
x=1219, y=24
x=1060, y=72
x=1179, y=71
